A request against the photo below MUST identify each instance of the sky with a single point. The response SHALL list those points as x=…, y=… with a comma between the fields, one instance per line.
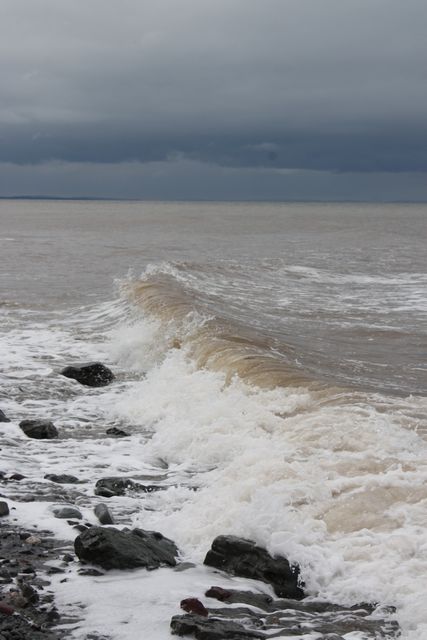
x=214, y=99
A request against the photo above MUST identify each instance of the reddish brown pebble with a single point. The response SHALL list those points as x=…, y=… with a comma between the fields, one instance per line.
x=192, y=605
x=218, y=593
x=6, y=609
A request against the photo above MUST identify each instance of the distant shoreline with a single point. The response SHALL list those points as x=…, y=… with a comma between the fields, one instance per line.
x=236, y=201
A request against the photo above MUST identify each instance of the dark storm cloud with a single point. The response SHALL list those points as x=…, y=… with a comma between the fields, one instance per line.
x=327, y=85
x=393, y=151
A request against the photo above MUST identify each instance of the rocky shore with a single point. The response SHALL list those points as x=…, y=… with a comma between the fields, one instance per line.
x=27, y=601
x=278, y=606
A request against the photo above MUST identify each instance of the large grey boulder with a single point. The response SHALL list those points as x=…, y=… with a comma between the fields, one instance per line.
x=244, y=558
x=91, y=374
x=114, y=549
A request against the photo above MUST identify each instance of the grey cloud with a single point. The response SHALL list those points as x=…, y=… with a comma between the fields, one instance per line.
x=329, y=85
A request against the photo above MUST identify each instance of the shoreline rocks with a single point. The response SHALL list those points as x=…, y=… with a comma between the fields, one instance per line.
x=27, y=610
x=244, y=558
x=263, y=617
x=128, y=549
x=90, y=374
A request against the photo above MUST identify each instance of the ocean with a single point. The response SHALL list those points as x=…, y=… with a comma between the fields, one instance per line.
x=270, y=363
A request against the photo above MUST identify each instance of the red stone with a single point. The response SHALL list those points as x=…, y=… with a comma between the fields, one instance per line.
x=193, y=605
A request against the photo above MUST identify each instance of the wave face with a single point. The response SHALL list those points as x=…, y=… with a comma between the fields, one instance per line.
x=275, y=324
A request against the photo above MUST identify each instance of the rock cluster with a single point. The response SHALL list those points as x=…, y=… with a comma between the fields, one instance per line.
x=258, y=615
x=27, y=611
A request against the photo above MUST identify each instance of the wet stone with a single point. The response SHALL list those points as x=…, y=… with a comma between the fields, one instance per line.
x=114, y=549
x=3, y=417
x=17, y=477
x=91, y=374
x=193, y=605
x=103, y=514
x=230, y=596
x=244, y=558
x=209, y=629
x=67, y=512
x=90, y=572
x=115, y=432
x=61, y=479
x=117, y=486
x=39, y=429
x=68, y=558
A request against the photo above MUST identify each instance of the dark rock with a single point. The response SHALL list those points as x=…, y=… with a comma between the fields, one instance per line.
x=230, y=596
x=90, y=572
x=68, y=558
x=39, y=429
x=79, y=527
x=4, y=509
x=29, y=593
x=103, y=514
x=91, y=374
x=3, y=417
x=211, y=628
x=193, y=605
x=244, y=558
x=17, y=476
x=67, y=512
x=116, y=486
x=116, y=432
x=61, y=479
x=114, y=549
x=54, y=570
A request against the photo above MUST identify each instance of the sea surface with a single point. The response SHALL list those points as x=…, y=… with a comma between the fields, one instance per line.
x=271, y=364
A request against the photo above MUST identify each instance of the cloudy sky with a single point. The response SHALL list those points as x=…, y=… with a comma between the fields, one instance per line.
x=214, y=99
